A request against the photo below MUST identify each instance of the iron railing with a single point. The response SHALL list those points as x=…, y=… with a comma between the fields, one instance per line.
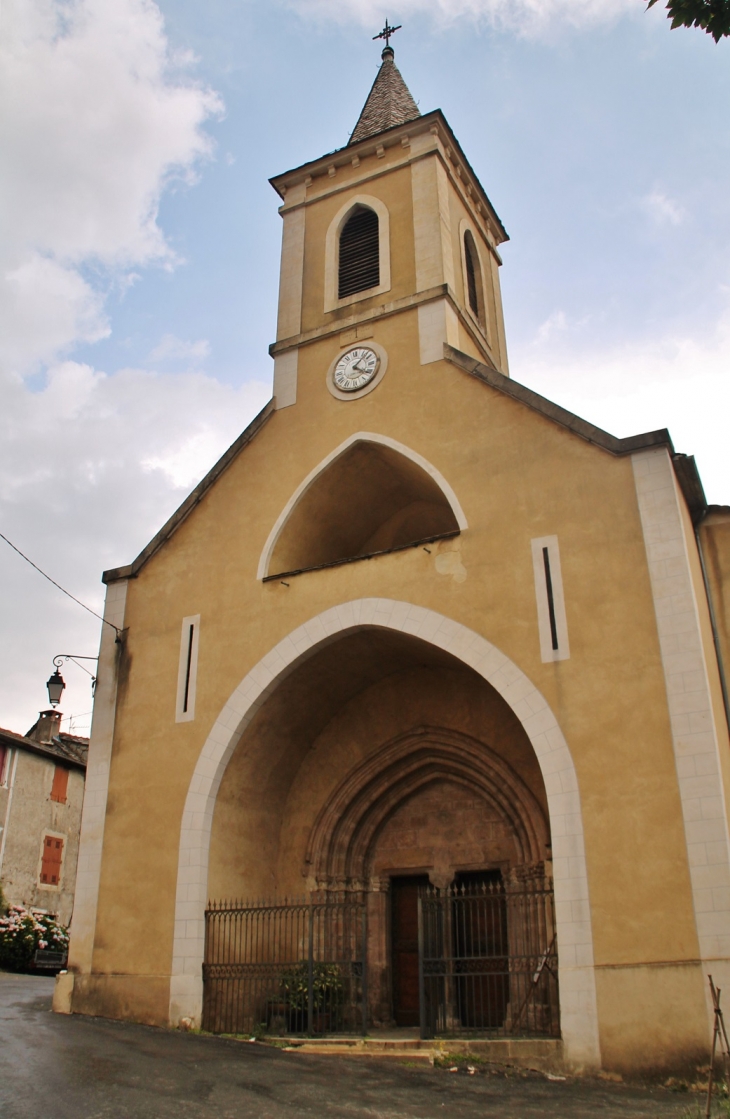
x=488, y=959
x=286, y=967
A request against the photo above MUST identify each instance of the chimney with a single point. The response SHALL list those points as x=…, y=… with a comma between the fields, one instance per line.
x=46, y=728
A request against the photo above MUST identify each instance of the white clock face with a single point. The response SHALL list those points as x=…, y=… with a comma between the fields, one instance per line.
x=355, y=369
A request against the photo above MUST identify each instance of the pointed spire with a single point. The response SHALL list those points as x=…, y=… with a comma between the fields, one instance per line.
x=389, y=102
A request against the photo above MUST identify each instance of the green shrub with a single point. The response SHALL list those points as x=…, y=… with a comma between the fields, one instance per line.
x=23, y=931
x=326, y=982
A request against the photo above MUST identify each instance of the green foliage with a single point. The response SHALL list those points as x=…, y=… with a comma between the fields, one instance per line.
x=327, y=986
x=713, y=16
x=23, y=931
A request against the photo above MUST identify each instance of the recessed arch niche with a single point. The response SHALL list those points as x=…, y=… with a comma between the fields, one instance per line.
x=371, y=495
x=202, y=871
x=377, y=757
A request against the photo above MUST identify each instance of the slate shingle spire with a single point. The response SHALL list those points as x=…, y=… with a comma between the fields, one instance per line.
x=389, y=102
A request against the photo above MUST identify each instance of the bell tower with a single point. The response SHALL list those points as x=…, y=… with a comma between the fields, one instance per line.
x=394, y=228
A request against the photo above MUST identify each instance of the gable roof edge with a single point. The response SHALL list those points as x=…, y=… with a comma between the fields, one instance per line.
x=130, y=570
x=685, y=466
x=555, y=412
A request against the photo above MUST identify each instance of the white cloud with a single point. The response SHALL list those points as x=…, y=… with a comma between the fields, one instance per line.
x=98, y=118
x=170, y=348
x=91, y=466
x=528, y=17
x=662, y=209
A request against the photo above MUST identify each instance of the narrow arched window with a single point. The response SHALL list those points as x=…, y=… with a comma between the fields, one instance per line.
x=359, y=253
x=473, y=275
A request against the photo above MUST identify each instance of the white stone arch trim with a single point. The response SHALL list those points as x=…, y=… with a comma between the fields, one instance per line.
x=358, y=437
x=484, y=270
x=332, y=252
x=578, y=1010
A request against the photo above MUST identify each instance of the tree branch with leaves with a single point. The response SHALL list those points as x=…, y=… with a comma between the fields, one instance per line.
x=713, y=16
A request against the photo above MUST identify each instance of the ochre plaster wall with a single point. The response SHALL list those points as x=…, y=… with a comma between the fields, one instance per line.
x=517, y=476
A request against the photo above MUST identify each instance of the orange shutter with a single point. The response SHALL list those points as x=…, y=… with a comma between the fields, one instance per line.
x=52, y=855
x=3, y=758
x=60, y=784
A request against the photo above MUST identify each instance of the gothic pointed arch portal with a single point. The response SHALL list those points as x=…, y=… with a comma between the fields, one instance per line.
x=342, y=844
x=537, y=725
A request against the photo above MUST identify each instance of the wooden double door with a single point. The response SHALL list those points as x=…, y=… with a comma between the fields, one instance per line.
x=404, y=947
x=478, y=953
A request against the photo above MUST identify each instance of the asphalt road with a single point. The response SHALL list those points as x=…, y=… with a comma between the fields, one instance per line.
x=90, y=1068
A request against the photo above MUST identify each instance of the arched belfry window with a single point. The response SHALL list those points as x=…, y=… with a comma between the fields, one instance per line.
x=359, y=256
x=473, y=277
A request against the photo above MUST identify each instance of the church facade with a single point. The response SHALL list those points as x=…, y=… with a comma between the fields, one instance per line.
x=422, y=642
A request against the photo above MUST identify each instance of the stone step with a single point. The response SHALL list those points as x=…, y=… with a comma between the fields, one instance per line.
x=422, y=1056
x=538, y=1053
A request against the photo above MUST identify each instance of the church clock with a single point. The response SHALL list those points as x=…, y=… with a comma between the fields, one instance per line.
x=357, y=370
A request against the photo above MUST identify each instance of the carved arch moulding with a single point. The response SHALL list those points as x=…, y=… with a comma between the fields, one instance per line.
x=578, y=1009
x=340, y=847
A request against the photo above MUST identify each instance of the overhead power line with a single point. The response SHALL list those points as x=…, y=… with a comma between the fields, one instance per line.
x=58, y=585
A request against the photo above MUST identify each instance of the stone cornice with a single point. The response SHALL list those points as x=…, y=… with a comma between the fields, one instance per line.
x=445, y=145
x=378, y=312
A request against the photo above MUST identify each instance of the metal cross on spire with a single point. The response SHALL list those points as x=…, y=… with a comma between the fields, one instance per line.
x=387, y=32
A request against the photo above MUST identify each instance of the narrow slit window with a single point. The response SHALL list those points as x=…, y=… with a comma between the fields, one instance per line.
x=359, y=257
x=187, y=670
x=551, y=619
x=4, y=764
x=473, y=271
x=550, y=597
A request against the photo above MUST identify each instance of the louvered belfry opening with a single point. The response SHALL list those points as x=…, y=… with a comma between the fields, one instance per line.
x=472, y=271
x=359, y=253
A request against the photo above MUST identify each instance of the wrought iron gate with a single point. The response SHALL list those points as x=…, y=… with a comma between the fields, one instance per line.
x=488, y=959
x=290, y=967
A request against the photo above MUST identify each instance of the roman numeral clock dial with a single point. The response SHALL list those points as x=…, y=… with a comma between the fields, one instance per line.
x=355, y=369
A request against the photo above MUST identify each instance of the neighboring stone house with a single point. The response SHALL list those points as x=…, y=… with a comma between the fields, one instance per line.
x=42, y=777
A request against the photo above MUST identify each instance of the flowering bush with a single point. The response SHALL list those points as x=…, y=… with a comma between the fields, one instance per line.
x=23, y=931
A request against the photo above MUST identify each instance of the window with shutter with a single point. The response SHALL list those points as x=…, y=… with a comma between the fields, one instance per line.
x=4, y=758
x=60, y=784
x=359, y=267
x=52, y=859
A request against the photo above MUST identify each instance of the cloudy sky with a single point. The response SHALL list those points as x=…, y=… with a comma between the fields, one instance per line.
x=139, y=244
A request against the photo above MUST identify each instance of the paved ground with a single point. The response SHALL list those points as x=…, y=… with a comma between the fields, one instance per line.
x=89, y=1068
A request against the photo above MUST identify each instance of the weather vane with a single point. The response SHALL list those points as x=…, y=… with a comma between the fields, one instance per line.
x=387, y=32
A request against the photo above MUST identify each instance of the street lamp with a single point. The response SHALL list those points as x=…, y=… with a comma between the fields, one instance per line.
x=55, y=686
x=56, y=683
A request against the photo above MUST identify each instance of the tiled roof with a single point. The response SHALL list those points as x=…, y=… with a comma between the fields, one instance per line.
x=67, y=747
x=389, y=102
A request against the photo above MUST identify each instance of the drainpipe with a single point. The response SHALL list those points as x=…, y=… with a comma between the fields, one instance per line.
x=713, y=622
